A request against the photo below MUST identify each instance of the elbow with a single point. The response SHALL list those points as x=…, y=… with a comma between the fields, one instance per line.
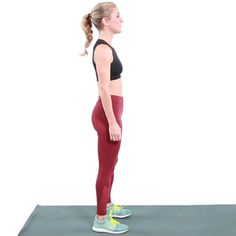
x=104, y=90
x=104, y=93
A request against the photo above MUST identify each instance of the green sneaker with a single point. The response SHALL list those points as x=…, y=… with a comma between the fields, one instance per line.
x=117, y=211
x=109, y=225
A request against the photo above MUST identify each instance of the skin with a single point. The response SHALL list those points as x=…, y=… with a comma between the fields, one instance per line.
x=103, y=59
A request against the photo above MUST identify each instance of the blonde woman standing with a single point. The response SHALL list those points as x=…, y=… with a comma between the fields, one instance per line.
x=106, y=115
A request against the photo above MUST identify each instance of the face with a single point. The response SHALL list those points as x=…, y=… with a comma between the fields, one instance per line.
x=115, y=21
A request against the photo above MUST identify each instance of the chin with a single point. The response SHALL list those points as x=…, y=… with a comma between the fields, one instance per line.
x=118, y=31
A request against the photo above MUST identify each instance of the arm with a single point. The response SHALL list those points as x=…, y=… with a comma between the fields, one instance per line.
x=103, y=58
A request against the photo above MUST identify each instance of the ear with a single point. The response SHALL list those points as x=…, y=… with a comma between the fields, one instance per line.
x=105, y=21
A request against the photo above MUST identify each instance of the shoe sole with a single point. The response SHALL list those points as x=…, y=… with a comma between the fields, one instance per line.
x=120, y=217
x=102, y=230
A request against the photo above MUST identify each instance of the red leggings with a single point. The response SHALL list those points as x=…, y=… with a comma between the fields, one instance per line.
x=107, y=151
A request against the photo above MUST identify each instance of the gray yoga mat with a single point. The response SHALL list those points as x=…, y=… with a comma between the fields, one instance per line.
x=155, y=220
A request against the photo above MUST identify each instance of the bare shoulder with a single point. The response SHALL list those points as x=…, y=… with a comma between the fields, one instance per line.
x=103, y=53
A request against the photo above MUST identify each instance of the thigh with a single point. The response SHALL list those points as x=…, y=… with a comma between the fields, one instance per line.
x=107, y=150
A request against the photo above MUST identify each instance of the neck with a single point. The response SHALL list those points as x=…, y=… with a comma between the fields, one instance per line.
x=107, y=36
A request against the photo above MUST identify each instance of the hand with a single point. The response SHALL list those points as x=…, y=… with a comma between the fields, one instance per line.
x=115, y=132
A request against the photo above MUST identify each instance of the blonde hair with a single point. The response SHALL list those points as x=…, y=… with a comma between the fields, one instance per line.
x=101, y=10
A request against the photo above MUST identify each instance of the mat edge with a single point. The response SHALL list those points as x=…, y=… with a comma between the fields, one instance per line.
x=29, y=220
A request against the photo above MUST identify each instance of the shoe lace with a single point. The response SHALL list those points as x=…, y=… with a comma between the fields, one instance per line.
x=113, y=222
x=117, y=207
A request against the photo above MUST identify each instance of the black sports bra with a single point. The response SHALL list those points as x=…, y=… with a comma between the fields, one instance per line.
x=116, y=66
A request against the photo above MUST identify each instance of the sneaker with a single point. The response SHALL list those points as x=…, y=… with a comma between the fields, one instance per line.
x=117, y=211
x=109, y=225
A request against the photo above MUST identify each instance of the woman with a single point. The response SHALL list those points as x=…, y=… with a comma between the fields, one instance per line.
x=106, y=115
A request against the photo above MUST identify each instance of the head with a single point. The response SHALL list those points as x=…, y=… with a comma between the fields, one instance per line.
x=105, y=17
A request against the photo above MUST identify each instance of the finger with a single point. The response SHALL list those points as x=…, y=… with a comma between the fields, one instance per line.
x=118, y=137
x=114, y=138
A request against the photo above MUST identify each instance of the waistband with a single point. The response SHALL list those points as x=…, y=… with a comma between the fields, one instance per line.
x=114, y=98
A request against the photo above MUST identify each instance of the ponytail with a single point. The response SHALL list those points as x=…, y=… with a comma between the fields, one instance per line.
x=86, y=25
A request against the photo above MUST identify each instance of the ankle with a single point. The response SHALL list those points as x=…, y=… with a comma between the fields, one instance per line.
x=101, y=217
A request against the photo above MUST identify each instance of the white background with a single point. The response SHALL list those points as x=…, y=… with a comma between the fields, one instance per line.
x=179, y=117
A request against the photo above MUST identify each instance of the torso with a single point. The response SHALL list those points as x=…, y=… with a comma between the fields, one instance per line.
x=115, y=87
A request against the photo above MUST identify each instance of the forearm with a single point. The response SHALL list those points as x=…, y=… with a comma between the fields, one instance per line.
x=107, y=106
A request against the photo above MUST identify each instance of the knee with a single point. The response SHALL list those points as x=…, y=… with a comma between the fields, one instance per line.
x=106, y=173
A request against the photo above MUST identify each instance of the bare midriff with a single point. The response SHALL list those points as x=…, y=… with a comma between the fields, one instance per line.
x=115, y=87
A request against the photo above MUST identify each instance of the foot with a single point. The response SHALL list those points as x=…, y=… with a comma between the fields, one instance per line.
x=109, y=225
x=117, y=211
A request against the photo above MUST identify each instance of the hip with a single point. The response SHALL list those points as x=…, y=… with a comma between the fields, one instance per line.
x=98, y=112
